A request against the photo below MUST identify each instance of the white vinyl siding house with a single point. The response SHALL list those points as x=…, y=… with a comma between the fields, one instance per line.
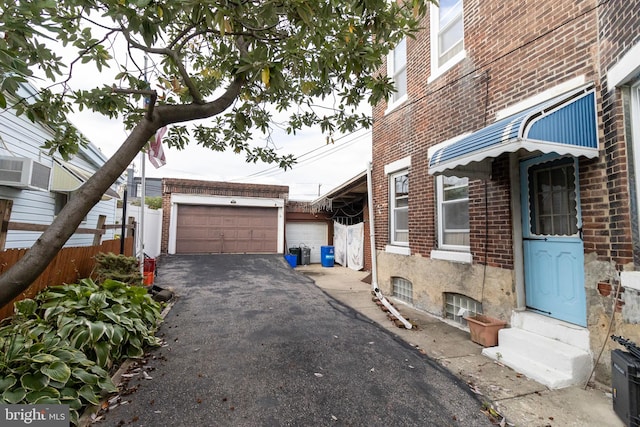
x=20, y=138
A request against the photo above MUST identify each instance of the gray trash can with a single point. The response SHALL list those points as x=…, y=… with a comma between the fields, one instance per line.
x=305, y=255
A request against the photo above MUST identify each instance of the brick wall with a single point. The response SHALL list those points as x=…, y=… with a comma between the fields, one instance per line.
x=515, y=49
x=616, y=18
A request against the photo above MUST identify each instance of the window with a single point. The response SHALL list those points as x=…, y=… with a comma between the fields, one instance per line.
x=447, y=36
x=457, y=306
x=402, y=289
x=399, y=203
x=61, y=200
x=397, y=71
x=453, y=212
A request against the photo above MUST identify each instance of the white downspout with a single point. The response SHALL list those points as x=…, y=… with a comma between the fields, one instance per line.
x=374, y=263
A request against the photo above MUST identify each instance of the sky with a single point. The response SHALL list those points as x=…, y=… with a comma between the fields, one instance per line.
x=320, y=168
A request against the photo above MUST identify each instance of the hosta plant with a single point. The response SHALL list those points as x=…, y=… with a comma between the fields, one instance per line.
x=108, y=322
x=39, y=367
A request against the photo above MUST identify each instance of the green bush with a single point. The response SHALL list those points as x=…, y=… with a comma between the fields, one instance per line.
x=59, y=346
x=117, y=267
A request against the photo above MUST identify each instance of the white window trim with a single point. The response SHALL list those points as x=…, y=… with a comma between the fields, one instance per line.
x=392, y=105
x=392, y=168
x=439, y=198
x=635, y=137
x=437, y=71
x=392, y=206
x=398, y=165
x=462, y=257
x=625, y=69
x=630, y=279
x=399, y=250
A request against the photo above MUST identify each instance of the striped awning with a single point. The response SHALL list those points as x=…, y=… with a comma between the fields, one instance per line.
x=564, y=125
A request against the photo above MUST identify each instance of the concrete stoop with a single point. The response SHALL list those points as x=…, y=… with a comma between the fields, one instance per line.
x=550, y=351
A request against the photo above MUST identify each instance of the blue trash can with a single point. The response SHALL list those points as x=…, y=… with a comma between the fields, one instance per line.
x=327, y=256
x=292, y=260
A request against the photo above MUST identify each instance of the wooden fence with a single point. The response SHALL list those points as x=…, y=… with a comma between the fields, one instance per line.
x=71, y=263
x=69, y=266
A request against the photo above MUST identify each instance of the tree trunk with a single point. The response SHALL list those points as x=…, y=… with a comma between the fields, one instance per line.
x=20, y=276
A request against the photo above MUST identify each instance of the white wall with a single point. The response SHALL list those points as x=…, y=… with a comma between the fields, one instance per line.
x=21, y=138
x=152, y=228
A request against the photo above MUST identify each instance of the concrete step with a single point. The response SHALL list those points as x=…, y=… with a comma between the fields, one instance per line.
x=548, y=361
x=555, y=329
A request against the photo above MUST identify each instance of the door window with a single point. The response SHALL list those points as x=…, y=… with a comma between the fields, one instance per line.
x=552, y=199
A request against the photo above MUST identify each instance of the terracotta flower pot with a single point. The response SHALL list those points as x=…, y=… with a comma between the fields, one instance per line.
x=484, y=329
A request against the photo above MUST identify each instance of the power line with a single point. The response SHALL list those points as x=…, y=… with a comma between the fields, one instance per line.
x=274, y=170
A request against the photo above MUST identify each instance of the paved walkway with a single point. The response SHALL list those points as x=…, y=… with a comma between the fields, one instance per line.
x=522, y=401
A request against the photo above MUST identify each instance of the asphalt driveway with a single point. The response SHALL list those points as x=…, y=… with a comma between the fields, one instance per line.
x=252, y=342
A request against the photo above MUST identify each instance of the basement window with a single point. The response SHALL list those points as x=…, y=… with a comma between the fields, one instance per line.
x=457, y=306
x=402, y=289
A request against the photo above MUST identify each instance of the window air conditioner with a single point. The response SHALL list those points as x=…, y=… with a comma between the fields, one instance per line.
x=22, y=172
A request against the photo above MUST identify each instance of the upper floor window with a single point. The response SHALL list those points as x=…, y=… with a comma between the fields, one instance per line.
x=447, y=36
x=397, y=71
x=453, y=212
x=399, y=203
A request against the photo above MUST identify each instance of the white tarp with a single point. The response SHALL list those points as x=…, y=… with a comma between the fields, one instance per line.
x=340, y=243
x=349, y=245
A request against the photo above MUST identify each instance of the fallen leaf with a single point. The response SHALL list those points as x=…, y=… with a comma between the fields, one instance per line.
x=318, y=374
x=334, y=418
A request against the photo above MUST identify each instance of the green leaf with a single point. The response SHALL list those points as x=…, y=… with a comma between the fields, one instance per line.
x=88, y=394
x=26, y=307
x=34, y=381
x=53, y=311
x=44, y=358
x=47, y=392
x=7, y=382
x=57, y=371
x=84, y=376
x=103, y=351
x=98, y=300
x=3, y=101
x=96, y=330
x=14, y=396
x=80, y=338
x=106, y=385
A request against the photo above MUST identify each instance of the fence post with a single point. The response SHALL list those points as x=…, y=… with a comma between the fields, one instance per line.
x=102, y=220
x=131, y=230
x=5, y=216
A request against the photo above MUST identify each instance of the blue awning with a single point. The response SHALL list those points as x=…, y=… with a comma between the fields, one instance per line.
x=564, y=125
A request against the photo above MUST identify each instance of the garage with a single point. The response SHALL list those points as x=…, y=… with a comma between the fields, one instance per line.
x=310, y=234
x=204, y=217
x=226, y=229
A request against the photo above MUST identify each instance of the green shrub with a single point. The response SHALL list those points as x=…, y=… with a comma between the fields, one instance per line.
x=117, y=267
x=38, y=367
x=59, y=346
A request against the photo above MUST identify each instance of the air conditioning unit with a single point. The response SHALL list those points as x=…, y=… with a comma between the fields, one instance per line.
x=22, y=172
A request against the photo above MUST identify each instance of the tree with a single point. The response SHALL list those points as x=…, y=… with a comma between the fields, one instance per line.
x=232, y=66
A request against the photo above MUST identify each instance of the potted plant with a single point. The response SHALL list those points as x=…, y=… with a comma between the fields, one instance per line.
x=484, y=329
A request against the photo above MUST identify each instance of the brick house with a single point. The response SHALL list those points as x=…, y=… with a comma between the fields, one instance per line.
x=505, y=177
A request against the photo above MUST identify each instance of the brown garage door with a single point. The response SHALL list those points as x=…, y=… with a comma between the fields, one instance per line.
x=226, y=229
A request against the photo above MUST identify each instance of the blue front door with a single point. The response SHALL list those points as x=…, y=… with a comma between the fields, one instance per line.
x=552, y=238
